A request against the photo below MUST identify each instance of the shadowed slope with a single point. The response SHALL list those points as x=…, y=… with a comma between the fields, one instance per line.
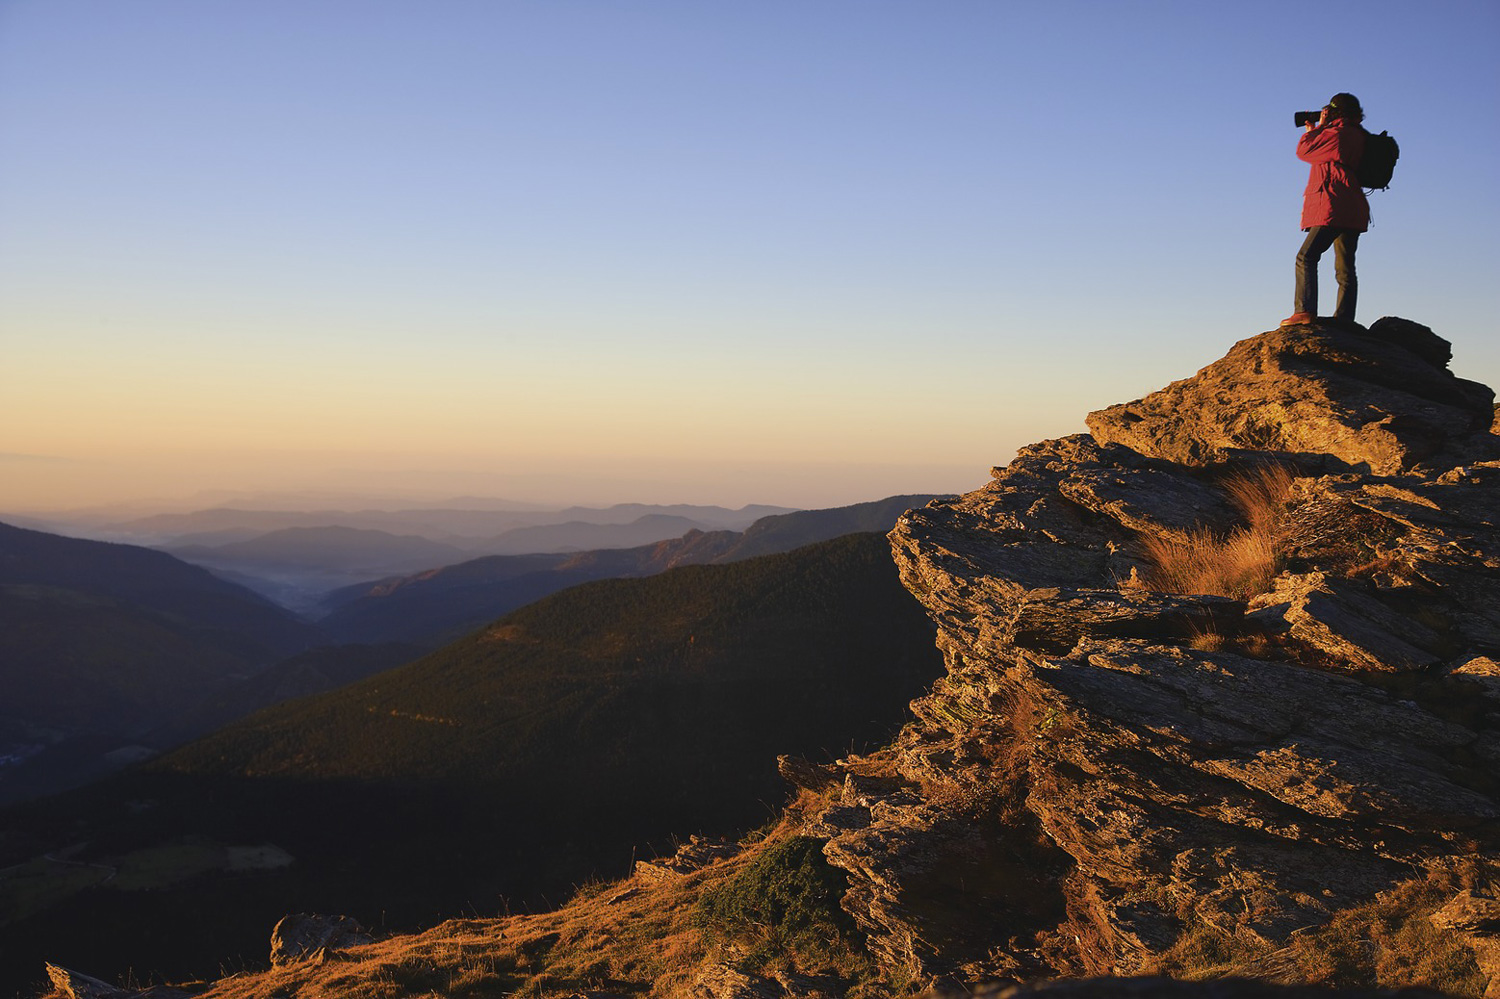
x=516, y=762
x=101, y=642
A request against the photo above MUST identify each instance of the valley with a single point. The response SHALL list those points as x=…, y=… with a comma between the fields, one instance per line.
x=620, y=697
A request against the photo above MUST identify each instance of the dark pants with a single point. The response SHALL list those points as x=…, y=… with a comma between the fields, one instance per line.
x=1344, y=243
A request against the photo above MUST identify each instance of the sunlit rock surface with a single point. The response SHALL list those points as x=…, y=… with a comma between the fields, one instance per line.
x=1113, y=771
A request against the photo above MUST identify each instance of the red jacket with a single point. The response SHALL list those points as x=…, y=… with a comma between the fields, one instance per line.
x=1333, y=195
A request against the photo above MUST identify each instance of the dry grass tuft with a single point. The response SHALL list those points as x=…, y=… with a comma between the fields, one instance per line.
x=1260, y=494
x=1239, y=564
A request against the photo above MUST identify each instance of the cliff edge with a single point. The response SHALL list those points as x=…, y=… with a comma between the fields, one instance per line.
x=1221, y=694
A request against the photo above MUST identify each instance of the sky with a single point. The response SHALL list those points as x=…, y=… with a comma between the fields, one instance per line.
x=799, y=252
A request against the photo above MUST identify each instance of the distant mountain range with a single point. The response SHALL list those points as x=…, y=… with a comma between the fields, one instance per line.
x=338, y=548
x=433, y=607
x=516, y=763
x=110, y=653
x=295, y=557
x=463, y=528
x=648, y=703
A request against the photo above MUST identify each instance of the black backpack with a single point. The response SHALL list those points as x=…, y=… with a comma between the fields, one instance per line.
x=1378, y=161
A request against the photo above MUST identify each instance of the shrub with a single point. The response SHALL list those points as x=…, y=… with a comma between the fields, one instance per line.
x=783, y=908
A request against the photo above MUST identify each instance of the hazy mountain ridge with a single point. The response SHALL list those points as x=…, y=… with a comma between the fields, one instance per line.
x=334, y=547
x=225, y=525
x=579, y=535
x=294, y=566
x=780, y=532
x=294, y=558
x=445, y=603
x=145, y=578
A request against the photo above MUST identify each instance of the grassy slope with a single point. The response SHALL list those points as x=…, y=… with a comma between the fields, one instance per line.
x=638, y=937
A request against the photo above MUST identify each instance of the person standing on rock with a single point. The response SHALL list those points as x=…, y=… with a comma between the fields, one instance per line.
x=1334, y=209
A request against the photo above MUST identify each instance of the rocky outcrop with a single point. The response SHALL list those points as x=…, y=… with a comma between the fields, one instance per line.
x=313, y=937
x=1115, y=778
x=1383, y=403
x=694, y=855
x=1166, y=988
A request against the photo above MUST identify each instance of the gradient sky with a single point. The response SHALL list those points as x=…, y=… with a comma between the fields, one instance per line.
x=804, y=252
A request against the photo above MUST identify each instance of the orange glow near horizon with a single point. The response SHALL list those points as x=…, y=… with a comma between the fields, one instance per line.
x=793, y=254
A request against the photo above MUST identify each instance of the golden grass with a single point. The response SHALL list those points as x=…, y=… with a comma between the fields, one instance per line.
x=1240, y=563
x=1260, y=494
x=636, y=937
x=631, y=937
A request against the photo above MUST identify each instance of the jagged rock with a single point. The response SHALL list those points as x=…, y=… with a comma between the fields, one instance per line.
x=1166, y=988
x=805, y=774
x=1483, y=671
x=719, y=981
x=1471, y=912
x=691, y=856
x=1346, y=625
x=1381, y=401
x=812, y=986
x=79, y=986
x=1103, y=768
x=1432, y=546
x=1047, y=544
x=1478, y=918
x=311, y=937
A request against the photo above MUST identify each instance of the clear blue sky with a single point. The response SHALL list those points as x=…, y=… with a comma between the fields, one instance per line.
x=804, y=252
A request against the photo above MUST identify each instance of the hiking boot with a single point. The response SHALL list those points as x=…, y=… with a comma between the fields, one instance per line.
x=1299, y=319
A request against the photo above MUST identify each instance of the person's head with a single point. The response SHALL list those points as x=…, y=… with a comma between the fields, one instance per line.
x=1345, y=106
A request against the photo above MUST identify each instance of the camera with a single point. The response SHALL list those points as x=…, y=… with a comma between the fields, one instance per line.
x=1301, y=118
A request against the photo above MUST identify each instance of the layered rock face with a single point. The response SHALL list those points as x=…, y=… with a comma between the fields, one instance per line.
x=1385, y=403
x=1122, y=775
